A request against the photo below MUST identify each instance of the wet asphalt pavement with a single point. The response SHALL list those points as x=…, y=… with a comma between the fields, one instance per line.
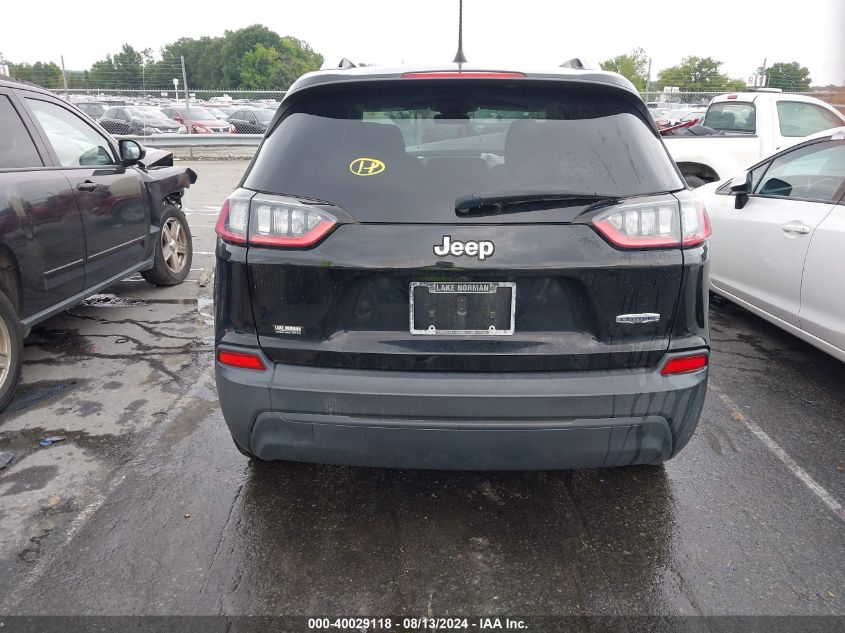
x=147, y=508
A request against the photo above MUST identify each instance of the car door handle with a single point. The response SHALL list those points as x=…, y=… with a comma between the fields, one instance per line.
x=796, y=227
x=87, y=186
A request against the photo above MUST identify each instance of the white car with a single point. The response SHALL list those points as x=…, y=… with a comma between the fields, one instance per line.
x=746, y=127
x=778, y=244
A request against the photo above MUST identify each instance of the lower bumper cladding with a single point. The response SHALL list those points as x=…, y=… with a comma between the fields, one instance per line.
x=461, y=421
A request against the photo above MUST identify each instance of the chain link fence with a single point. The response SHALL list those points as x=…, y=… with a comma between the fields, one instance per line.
x=155, y=96
x=654, y=98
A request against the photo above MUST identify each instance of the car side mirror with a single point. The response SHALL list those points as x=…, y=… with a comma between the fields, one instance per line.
x=131, y=152
x=741, y=188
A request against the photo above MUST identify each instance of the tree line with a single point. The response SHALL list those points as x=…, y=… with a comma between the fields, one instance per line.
x=256, y=58
x=252, y=58
x=702, y=74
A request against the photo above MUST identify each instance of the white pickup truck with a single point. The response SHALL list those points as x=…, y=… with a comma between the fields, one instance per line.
x=747, y=126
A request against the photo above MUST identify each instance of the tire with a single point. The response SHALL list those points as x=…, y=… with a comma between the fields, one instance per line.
x=171, y=267
x=694, y=182
x=11, y=350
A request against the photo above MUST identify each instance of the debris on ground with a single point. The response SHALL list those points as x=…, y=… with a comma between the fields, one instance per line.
x=205, y=276
x=112, y=301
x=47, y=441
x=6, y=459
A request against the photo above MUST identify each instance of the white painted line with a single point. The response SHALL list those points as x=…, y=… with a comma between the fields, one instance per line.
x=803, y=476
x=203, y=252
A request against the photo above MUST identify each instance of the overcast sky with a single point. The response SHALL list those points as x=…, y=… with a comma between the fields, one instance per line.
x=509, y=33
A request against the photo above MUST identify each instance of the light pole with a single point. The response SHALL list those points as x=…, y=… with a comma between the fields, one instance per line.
x=176, y=87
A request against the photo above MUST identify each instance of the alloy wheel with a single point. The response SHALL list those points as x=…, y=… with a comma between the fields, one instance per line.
x=174, y=245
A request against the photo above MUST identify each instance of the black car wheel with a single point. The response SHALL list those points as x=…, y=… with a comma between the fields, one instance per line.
x=173, y=251
x=11, y=351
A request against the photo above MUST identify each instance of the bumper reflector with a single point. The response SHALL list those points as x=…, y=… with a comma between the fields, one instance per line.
x=241, y=360
x=684, y=364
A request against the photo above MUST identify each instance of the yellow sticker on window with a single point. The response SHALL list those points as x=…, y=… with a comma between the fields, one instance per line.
x=367, y=166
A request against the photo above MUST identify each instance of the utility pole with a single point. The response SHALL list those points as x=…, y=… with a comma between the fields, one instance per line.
x=64, y=76
x=763, y=74
x=648, y=78
x=187, y=102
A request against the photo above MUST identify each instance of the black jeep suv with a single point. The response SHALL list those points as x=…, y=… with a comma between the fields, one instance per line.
x=464, y=269
x=78, y=212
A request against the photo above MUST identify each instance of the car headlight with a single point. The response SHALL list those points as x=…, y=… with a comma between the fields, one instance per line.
x=182, y=130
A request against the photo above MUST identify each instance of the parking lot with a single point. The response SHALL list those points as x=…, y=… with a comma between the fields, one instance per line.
x=147, y=508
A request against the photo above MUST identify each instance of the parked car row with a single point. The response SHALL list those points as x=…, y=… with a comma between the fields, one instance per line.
x=172, y=118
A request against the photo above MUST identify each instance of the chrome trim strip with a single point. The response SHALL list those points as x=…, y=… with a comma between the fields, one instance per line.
x=642, y=317
x=57, y=270
x=115, y=248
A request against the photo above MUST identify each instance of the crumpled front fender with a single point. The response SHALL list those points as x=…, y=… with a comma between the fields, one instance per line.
x=162, y=182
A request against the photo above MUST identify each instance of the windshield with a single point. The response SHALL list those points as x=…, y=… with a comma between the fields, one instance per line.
x=264, y=115
x=406, y=153
x=150, y=115
x=731, y=117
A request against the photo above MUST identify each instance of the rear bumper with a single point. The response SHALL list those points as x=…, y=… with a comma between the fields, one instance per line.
x=471, y=421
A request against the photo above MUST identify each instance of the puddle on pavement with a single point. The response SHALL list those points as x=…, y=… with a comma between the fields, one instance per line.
x=37, y=392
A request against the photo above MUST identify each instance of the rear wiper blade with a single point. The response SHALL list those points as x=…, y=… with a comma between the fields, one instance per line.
x=516, y=201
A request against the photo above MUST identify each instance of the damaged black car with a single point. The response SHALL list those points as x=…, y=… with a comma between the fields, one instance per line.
x=78, y=212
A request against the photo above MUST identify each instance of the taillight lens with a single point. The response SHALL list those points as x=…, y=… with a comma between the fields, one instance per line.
x=655, y=224
x=645, y=225
x=241, y=360
x=684, y=364
x=267, y=220
x=276, y=222
x=694, y=222
x=233, y=220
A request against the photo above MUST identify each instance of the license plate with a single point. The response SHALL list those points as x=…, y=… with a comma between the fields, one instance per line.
x=462, y=308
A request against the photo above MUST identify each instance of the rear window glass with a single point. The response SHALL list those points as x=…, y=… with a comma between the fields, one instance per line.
x=802, y=119
x=730, y=116
x=388, y=152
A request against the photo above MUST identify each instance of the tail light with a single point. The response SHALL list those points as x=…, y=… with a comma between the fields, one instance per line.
x=241, y=360
x=662, y=224
x=684, y=364
x=695, y=222
x=272, y=221
x=233, y=219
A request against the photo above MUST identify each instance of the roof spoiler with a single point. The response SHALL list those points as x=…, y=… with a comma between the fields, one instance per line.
x=578, y=63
